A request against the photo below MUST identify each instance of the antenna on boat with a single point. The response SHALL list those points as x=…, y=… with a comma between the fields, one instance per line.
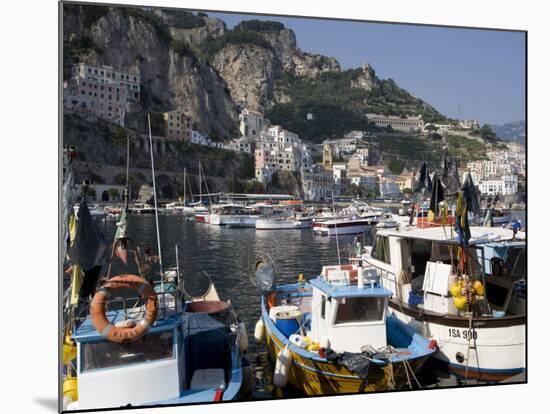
x=335, y=228
x=156, y=208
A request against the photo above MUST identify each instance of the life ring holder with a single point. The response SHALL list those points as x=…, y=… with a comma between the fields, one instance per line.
x=120, y=334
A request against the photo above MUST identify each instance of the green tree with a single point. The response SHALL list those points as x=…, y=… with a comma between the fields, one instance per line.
x=113, y=193
x=487, y=133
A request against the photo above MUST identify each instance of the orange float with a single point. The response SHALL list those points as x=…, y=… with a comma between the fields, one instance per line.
x=124, y=333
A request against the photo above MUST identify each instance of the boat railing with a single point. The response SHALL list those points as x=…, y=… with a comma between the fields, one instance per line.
x=167, y=305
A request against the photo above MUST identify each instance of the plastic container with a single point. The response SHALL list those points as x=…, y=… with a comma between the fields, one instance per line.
x=415, y=299
x=276, y=309
x=287, y=322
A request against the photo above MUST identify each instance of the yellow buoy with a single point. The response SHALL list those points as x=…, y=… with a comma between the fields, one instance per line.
x=459, y=302
x=454, y=289
x=300, y=278
x=70, y=388
x=69, y=350
x=478, y=287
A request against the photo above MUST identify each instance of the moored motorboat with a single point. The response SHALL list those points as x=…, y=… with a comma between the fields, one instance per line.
x=334, y=334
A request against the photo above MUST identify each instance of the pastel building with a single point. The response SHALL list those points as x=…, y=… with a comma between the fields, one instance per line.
x=101, y=91
x=178, y=125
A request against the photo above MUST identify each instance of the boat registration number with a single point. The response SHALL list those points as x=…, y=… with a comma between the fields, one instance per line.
x=464, y=333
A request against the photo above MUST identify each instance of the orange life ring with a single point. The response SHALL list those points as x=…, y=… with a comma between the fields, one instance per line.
x=122, y=334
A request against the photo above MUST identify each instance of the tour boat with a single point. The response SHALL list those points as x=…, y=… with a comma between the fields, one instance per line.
x=234, y=215
x=470, y=300
x=334, y=334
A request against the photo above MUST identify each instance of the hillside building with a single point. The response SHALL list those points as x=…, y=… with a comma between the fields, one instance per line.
x=178, y=125
x=101, y=91
x=407, y=124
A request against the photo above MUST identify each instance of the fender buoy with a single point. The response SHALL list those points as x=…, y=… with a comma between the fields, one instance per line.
x=123, y=333
x=282, y=367
x=259, y=331
x=243, y=337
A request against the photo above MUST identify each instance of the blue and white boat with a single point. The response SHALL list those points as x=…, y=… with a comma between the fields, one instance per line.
x=192, y=353
x=333, y=334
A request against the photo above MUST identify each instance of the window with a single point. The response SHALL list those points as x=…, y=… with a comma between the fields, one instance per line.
x=323, y=307
x=367, y=309
x=106, y=354
x=381, y=249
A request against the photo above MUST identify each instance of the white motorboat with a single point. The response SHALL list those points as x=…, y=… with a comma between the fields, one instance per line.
x=342, y=226
x=295, y=221
x=180, y=207
x=386, y=221
x=142, y=208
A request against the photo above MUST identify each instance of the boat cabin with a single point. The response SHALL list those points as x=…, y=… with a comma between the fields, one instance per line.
x=420, y=265
x=184, y=357
x=348, y=308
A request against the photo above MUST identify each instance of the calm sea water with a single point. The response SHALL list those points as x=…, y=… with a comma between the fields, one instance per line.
x=227, y=255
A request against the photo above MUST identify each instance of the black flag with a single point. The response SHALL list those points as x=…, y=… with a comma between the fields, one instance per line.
x=470, y=195
x=424, y=184
x=436, y=196
x=449, y=174
x=89, y=248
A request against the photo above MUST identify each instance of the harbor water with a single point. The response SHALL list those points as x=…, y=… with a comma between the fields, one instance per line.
x=227, y=256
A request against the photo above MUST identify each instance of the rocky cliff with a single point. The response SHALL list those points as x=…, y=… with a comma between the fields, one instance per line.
x=196, y=63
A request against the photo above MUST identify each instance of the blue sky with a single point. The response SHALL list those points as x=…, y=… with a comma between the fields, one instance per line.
x=483, y=71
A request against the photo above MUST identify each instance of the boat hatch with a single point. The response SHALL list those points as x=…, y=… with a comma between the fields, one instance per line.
x=106, y=354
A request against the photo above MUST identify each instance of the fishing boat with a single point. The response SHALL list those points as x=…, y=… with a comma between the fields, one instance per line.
x=140, y=342
x=334, y=334
x=471, y=300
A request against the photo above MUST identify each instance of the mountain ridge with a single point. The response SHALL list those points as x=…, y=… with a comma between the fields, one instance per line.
x=194, y=62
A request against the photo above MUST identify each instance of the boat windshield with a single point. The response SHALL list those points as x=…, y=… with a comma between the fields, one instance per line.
x=360, y=309
x=108, y=354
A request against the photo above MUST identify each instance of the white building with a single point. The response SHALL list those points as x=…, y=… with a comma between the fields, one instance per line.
x=505, y=185
x=318, y=184
x=389, y=188
x=469, y=124
x=251, y=123
x=370, y=182
x=199, y=139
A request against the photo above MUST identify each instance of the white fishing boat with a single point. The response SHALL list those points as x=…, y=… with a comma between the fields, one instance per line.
x=234, y=215
x=471, y=300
